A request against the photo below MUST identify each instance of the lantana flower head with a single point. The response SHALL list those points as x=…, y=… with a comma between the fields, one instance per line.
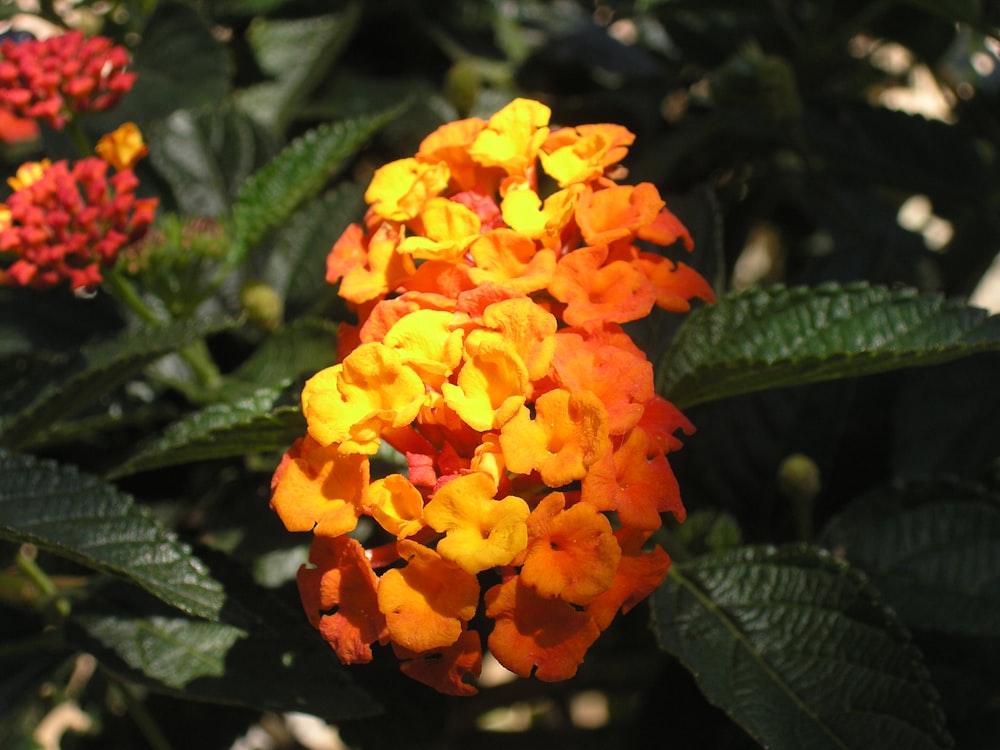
x=55, y=79
x=489, y=354
x=65, y=222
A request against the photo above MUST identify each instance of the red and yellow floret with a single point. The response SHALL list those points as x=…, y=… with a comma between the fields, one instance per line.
x=488, y=353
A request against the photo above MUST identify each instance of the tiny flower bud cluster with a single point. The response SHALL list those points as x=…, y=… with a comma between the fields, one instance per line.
x=54, y=79
x=65, y=222
x=489, y=352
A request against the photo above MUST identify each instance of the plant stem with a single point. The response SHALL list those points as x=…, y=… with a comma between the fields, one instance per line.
x=195, y=354
x=79, y=138
x=26, y=562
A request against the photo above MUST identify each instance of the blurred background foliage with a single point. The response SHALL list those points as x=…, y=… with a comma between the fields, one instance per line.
x=801, y=141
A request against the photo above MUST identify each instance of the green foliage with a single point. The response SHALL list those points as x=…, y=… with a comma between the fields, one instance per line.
x=843, y=232
x=799, y=649
x=781, y=337
x=91, y=523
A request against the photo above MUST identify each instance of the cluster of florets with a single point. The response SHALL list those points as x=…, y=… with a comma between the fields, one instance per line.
x=489, y=353
x=54, y=79
x=67, y=221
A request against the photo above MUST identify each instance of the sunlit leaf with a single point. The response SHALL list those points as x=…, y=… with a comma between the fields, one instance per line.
x=298, y=173
x=798, y=649
x=783, y=337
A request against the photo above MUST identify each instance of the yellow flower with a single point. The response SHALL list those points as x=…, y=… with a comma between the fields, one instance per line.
x=480, y=532
x=28, y=173
x=123, y=147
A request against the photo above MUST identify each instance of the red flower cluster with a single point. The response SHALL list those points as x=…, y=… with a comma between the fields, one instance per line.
x=66, y=222
x=56, y=78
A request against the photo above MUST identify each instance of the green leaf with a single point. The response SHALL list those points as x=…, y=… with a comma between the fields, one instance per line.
x=932, y=548
x=297, y=53
x=81, y=518
x=180, y=65
x=798, y=650
x=96, y=370
x=298, y=173
x=250, y=425
x=784, y=337
x=299, y=349
x=205, y=155
x=295, y=266
x=277, y=665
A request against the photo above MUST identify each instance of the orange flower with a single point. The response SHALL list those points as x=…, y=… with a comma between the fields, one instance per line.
x=638, y=574
x=445, y=669
x=339, y=597
x=488, y=353
x=315, y=489
x=596, y=292
x=582, y=154
x=351, y=402
x=634, y=485
x=568, y=434
x=481, y=532
x=400, y=190
x=547, y=638
x=427, y=602
x=606, y=363
x=571, y=553
x=123, y=147
x=396, y=504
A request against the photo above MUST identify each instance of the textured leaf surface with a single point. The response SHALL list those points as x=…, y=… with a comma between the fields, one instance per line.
x=299, y=172
x=250, y=425
x=96, y=370
x=206, y=155
x=932, y=548
x=88, y=521
x=784, y=337
x=297, y=52
x=277, y=666
x=798, y=650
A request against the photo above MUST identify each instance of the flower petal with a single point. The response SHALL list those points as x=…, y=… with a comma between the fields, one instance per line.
x=480, y=532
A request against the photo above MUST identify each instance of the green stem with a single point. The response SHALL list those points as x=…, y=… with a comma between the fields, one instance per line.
x=79, y=138
x=122, y=288
x=196, y=354
x=26, y=562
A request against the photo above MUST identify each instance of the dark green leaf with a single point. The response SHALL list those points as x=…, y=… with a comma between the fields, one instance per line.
x=783, y=337
x=933, y=550
x=96, y=370
x=299, y=349
x=298, y=173
x=295, y=265
x=297, y=53
x=273, y=661
x=206, y=155
x=798, y=650
x=88, y=521
x=180, y=65
x=250, y=425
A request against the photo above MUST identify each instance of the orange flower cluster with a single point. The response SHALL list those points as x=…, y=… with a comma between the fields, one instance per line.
x=56, y=78
x=489, y=352
x=66, y=222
